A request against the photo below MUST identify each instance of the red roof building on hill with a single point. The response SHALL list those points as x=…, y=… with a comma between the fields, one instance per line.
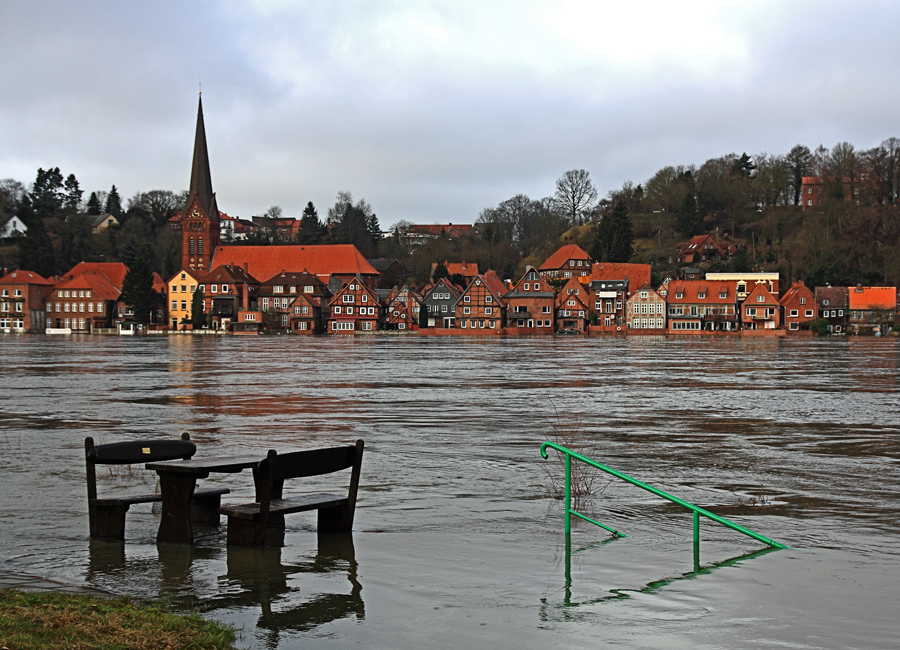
x=342, y=261
x=84, y=302
x=567, y=262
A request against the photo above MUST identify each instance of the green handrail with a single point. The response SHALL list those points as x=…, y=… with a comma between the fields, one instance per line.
x=569, y=454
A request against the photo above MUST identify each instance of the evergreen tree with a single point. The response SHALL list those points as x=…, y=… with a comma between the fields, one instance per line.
x=35, y=250
x=198, y=318
x=73, y=194
x=137, y=287
x=614, y=241
x=76, y=241
x=688, y=222
x=47, y=193
x=93, y=205
x=440, y=271
x=311, y=231
x=114, y=203
x=740, y=261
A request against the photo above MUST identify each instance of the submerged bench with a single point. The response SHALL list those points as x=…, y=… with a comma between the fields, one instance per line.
x=247, y=522
x=107, y=516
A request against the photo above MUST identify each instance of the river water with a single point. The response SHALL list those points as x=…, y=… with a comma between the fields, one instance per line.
x=457, y=541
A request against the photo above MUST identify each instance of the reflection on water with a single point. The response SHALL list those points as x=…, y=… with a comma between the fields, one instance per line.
x=457, y=541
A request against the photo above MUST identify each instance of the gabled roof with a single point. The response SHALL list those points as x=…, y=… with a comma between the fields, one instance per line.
x=582, y=296
x=101, y=286
x=194, y=275
x=115, y=271
x=873, y=297
x=559, y=258
x=760, y=289
x=495, y=284
x=455, y=291
x=322, y=261
x=531, y=276
x=836, y=295
x=24, y=277
x=159, y=285
x=797, y=290
x=647, y=287
x=637, y=274
x=229, y=274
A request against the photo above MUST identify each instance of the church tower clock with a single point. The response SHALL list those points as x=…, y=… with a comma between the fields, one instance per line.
x=200, y=219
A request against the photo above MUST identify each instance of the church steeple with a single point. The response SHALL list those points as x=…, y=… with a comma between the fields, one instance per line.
x=201, y=179
x=200, y=220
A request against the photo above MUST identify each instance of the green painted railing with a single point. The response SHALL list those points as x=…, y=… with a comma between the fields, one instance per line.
x=698, y=511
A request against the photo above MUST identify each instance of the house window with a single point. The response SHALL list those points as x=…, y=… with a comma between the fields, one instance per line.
x=200, y=246
x=173, y=306
x=367, y=325
x=184, y=305
x=795, y=326
x=214, y=288
x=365, y=298
x=191, y=246
x=537, y=286
x=545, y=309
x=308, y=288
x=760, y=298
x=802, y=301
x=264, y=303
x=488, y=311
x=350, y=311
x=348, y=298
x=701, y=296
x=277, y=289
x=303, y=326
x=679, y=296
x=808, y=313
x=337, y=310
x=794, y=313
x=466, y=310
x=224, y=288
x=525, y=286
x=466, y=299
x=751, y=311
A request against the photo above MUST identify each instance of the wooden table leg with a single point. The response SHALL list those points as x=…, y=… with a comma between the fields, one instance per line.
x=175, y=524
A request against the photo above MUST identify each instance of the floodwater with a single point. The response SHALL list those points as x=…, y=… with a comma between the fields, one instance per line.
x=457, y=541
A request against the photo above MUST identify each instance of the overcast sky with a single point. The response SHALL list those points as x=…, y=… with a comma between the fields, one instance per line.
x=431, y=111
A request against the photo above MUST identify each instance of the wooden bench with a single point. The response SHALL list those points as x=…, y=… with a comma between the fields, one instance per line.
x=107, y=515
x=247, y=522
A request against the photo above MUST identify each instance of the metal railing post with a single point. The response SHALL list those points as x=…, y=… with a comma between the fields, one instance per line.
x=696, y=541
x=568, y=494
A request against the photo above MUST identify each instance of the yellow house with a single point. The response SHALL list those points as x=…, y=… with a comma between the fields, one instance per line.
x=180, y=288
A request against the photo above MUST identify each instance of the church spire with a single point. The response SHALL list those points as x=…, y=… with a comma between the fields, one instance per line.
x=201, y=180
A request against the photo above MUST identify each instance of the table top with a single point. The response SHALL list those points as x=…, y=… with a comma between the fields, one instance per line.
x=205, y=465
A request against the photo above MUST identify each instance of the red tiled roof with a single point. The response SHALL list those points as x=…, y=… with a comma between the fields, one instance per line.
x=794, y=292
x=559, y=258
x=637, y=274
x=159, y=285
x=24, y=277
x=495, y=284
x=195, y=275
x=324, y=260
x=467, y=270
x=873, y=297
x=94, y=280
x=115, y=271
x=690, y=290
x=450, y=229
x=761, y=289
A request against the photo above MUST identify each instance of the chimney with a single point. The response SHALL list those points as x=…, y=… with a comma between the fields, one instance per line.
x=246, y=297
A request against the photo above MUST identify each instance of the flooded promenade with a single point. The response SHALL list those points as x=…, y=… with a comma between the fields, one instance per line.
x=457, y=541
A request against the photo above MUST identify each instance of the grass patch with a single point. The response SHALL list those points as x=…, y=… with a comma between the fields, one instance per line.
x=73, y=622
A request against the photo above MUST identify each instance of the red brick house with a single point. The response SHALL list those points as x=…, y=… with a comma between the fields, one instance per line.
x=760, y=310
x=798, y=308
x=697, y=306
x=569, y=261
x=646, y=312
x=403, y=310
x=280, y=296
x=612, y=284
x=84, y=302
x=573, y=310
x=704, y=248
x=482, y=307
x=531, y=305
x=23, y=297
x=354, y=308
x=229, y=292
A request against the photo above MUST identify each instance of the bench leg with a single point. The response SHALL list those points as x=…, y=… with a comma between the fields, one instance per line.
x=244, y=532
x=205, y=509
x=108, y=522
x=335, y=520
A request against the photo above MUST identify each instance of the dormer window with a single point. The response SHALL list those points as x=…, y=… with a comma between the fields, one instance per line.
x=679, y=296
x=308, y=288
x=723, y=295
x=701, y=296
x=278, y=289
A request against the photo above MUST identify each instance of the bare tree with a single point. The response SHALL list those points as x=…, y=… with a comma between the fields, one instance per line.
x=575, y=194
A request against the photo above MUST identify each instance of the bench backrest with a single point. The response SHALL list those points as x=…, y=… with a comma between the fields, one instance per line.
x=298, y=464
x=131, y=452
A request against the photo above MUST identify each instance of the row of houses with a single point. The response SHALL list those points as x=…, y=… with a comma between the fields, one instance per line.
x=332, y=289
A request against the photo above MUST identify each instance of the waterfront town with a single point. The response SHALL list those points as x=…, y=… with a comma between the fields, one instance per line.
x=225, y=287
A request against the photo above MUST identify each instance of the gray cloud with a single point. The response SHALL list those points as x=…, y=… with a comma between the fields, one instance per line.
x=430, y=112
